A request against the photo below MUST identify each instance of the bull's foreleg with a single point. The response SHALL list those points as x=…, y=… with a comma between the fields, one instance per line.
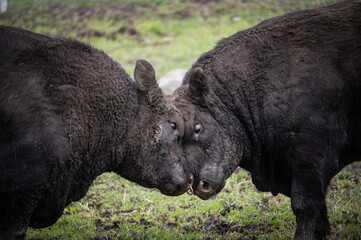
x=322, y=227
x=13, y=223
x=12, y=234
x=15, y=211
x=307, y=198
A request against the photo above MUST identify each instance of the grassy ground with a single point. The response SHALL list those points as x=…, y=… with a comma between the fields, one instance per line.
x=173, y=36
x=115, y=208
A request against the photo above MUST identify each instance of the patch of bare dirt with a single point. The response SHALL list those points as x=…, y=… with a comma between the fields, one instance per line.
x=221, y=227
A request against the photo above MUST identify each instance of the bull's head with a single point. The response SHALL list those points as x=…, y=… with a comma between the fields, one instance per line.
x=211, y=150
x=156, y=139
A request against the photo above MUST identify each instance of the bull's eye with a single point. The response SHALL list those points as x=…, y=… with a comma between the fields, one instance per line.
x=173, y=126
x=197, y=128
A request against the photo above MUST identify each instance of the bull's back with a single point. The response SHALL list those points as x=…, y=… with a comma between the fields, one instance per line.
x=31, y=132
x=322, y=52
x=299, y=65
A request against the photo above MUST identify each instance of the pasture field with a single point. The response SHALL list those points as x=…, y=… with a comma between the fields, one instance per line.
x=173, y=34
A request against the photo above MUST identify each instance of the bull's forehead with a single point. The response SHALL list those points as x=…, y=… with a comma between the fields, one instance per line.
x=184, y=105
x=191, y=113
x=172, y=108
x=171, y=114
x=196, y=114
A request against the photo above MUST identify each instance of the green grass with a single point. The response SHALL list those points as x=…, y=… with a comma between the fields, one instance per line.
x=115, y=208
x=174, y=36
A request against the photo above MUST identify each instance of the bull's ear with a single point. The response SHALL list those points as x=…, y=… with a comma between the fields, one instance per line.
x=144, y=75
x=198, y=85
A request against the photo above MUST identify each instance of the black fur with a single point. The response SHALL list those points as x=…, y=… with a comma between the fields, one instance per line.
x=68, y=113
x=284, y=102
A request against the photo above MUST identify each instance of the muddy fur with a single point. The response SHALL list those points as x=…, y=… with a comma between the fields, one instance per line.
x=282, y=100
x=68, y=113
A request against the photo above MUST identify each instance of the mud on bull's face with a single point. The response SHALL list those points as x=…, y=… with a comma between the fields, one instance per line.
x=160, y=129
x=210, y=151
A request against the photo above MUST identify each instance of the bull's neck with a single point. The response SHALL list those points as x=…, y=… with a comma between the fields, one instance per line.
x=239, y=99
x=102, y=146
x=110, y=146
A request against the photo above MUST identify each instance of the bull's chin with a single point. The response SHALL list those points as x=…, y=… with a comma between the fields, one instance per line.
x=172, y=194
x=173, y=190
x=204, y=196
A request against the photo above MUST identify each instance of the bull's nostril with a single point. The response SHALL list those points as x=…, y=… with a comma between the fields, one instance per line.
x=204, y=186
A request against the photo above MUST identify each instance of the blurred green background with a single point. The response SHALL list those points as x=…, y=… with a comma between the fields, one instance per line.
x=169, y=34
x=173, y=34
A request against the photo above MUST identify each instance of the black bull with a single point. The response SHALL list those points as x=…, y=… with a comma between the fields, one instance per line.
x=282, y=100
x=68, y=113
